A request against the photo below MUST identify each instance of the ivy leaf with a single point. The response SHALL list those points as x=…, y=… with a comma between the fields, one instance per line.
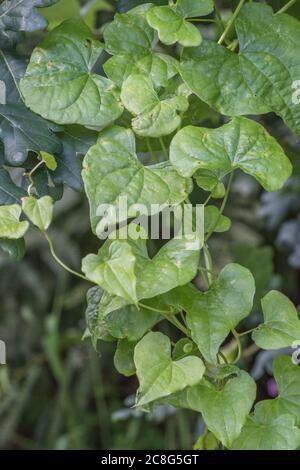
x=111, y=172
x=39, y=211
x=158, y=375
x=123, y=358
x=9, y=192
x=10, y=225
x=123, y=267
x=60, y=84
x=257, y=80
x=76, y=141
x=212, y=315
x=241, y=143
x=154, y=117
x=171, y=25
x=15, y=248
x=193, y=8
x=224, y=410
x=20, y=15
x=212, y=220
x=281, y=327
x=21, y=130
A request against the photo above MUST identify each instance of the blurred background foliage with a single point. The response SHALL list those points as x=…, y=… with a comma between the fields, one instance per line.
x=56, y=391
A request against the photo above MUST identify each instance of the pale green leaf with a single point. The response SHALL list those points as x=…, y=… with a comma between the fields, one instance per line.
x=153, y=117
x=123, y=358
x=39, y=211
x=241, y=143
x=268, y=434
x=215, y=221
x=158, y=375
x=49, y=160
x=10, y=225
x=123, y=267
x=224, y=410
x=172, y=26
x=281, y=327
x=111, y=172
x=257, y=80
x=60, y=84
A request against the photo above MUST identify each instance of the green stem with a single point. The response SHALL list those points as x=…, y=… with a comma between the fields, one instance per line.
x=222, y=207
x=208, y=263
x=59, y=261
x=231, y=21
x=286, y=6
x=202, y=20
x=163, y=148
x=223, y=357
x=237, y=338
x=247, y=332
x=168, y=314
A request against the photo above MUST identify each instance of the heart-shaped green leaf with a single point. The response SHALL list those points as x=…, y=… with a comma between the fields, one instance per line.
x=241, y=143
x=257, y=80
x=112, y=172
x=264, y=432
x=123, y=267
x=224, y=410
x=154, y=117
x=281, y=327
x=60, y=84
x=39, y=211
x=10, y=225
x=158, y=375
x=212, y=315
x=172, y=26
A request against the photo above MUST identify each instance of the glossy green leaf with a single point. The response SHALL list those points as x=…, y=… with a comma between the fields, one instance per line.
x=224, y=410
x=60, y=12
x=60, y=84
x=193, y=8
x=15, y=248
x=10, y=193
x=20, y=129
x=123, y=358
x=212, y=315
x=281, y=327
x=10, y=225
x=39, y=211
x=158, y=375
x=123, y=267
x=257, y=80
x=153, y=117
x=20, y=15
x=241, y=143
x=111, y=172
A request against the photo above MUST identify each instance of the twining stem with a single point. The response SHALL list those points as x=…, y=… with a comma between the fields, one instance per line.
x=286, y=6
x=238, y=341
x=243, y=333
x=222, y=207
x=169, y=315
x=59, y=261
x=230, y=22
x=29, y=176
x=208, y=263
x=223, y=357
x=163, y=147
x=202, y=20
